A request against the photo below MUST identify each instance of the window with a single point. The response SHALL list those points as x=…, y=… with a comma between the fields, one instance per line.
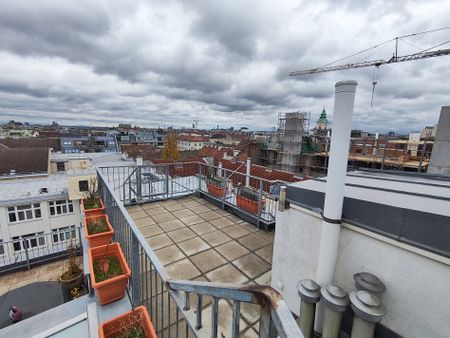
x=2, y=249
x=29, y=241
x=60, y=207
x=83, y=185
x=60, y=166
x=64, y=234
x=24, y=212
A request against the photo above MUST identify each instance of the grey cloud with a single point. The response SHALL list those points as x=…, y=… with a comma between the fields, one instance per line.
x=223, y=63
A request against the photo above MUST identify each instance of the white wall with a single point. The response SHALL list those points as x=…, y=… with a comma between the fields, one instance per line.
x=417, y=298
x=44, y=224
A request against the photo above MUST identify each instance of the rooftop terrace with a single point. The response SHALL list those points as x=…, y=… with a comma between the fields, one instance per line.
x=195, y=240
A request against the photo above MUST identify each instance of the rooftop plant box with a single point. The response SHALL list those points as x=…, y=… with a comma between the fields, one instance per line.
x=92, y=204
x=91, y=207
x=215, y=186
x=134, y=323
x=98, y=230
x=248, y=199
x=109, y=272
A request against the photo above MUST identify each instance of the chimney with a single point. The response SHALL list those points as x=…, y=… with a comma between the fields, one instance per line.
x=334, y=198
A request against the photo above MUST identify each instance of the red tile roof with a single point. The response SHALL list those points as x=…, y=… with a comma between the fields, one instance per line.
x=190, y=138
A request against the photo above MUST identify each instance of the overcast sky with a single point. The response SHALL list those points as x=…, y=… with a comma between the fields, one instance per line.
x=226, y=63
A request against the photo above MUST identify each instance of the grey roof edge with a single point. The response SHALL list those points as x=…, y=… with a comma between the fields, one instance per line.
x=34, y=199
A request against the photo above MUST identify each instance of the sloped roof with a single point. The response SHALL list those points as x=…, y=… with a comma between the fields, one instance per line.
x=23, y=160
x=190, y=138
x=32, y=142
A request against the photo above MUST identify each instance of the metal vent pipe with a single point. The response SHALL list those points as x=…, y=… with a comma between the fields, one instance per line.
x=336, y=303
x=368, y=311
x=219, y=170
x=248, y=168
x=309, y=292
x=334, y=197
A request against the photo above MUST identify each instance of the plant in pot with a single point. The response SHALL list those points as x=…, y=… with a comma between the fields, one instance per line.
x=215, y=186
x=73, y=277
x=109, y=272
x=135, y=323
x=98, y=230
x=92, y=204
x=248, y=199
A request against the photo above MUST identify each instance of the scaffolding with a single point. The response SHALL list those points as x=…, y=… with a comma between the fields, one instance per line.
x=291, y=130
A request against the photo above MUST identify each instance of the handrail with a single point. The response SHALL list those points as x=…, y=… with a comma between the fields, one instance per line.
x=276, y=318
x=146, y=247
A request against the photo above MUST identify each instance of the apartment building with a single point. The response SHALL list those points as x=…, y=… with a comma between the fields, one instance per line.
x=32, y=208
x=189, y=142
x=39, y=202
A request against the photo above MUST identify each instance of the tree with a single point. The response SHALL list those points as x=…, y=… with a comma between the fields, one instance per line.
x=170, y=151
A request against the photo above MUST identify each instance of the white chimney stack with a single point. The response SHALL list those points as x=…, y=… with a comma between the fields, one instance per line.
x=334, y=198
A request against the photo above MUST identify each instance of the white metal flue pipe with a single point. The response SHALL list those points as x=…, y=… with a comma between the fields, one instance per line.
x=334, y=197
x=219, y=170
x=247, y=176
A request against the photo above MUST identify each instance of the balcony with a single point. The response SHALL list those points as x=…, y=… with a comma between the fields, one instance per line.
x=196, y=278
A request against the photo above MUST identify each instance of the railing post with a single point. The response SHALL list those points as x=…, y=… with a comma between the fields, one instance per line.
x=167, y=181
x=79, y=239
x=25, y=245
x=224, y=189
x=266, y=326
x=199, y=178
x=139, y=184
x=260, y=203
x=135, y=270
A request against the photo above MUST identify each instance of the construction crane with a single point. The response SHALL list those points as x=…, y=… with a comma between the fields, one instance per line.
x=376, y=63
x=423, y=54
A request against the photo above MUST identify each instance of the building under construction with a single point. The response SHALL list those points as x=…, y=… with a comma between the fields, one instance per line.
x=294, y=150
x=292, y=128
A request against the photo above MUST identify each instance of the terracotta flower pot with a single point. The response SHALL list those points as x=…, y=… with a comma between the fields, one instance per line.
x=101, y=238
x=134, y=318
x=248, y=204
x=111, y=289
x=92, y=212
x=215, y=190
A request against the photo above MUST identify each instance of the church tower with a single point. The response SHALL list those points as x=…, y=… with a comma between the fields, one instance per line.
x=322, y=122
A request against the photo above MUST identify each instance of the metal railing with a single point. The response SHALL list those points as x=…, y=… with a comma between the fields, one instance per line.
x=28, y=251
x=169, y=301
x=138, y=184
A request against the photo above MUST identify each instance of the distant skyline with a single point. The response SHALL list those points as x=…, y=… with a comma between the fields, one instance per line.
x=221, y=63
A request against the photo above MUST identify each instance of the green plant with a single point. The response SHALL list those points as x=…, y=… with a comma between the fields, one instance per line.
x=74, y=269
x=248, y=193
x=97, y=225
x=106, y=267
x=92, y=196
x=216, y=180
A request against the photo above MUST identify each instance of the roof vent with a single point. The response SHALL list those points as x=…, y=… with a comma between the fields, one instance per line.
x=43, y=190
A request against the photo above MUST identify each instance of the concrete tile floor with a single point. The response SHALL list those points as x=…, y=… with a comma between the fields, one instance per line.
x=219, y=245
x=198, y=241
